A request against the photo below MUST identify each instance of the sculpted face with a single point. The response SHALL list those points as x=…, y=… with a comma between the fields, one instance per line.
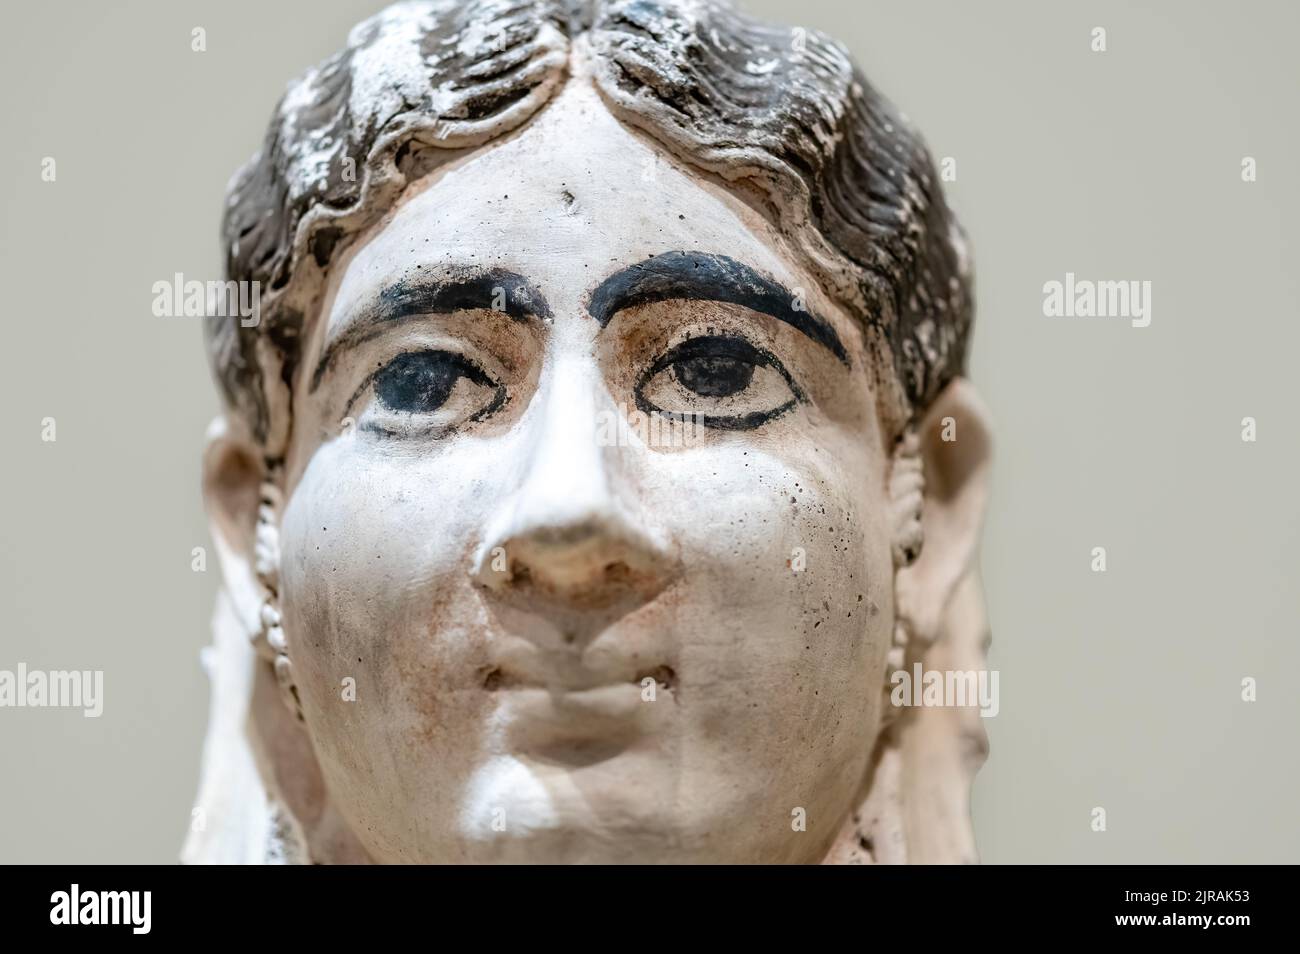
x=571, y=640
x=573, y=482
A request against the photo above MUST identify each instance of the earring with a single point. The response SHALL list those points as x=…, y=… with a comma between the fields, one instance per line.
x=269, y=639
x=907, y=494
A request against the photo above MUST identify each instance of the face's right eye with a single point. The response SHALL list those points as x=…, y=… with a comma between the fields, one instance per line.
x=429, y=391
x=419, y=382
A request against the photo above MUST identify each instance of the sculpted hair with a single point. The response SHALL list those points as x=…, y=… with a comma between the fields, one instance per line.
x=779, y=113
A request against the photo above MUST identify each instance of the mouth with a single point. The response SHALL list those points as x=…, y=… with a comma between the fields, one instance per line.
x=575, y=684
x=576, y=718
x=574, y=728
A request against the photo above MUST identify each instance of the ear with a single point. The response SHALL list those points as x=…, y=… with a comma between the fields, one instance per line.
x=233, y=472
x=940, y=513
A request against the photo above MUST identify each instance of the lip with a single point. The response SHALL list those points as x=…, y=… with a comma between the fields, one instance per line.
x=613, y=700
x=521, y=665
x=574, y=684
x=576, y=728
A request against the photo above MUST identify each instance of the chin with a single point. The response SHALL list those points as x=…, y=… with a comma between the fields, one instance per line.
x=637, y=807
x=637, y=831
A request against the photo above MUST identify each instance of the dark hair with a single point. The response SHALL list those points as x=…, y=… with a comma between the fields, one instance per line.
x=779, y=110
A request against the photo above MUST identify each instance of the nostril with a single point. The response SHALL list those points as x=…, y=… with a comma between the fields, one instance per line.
x=590, y=566
x=664, y=677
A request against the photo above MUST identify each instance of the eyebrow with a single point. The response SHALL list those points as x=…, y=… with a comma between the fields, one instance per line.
x=703, y=276
x=438, y=293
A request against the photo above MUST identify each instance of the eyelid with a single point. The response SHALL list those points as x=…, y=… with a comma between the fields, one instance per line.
x=726, y=319
x=732, y=346
x=453, y=329
x=749, y=351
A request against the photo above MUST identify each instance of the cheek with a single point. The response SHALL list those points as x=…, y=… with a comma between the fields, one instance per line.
x=375, y=589
x=786, y=615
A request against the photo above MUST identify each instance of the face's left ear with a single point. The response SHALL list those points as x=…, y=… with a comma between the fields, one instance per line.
x=938, y=526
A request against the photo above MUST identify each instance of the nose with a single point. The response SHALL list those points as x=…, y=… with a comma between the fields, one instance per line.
x=571, y=539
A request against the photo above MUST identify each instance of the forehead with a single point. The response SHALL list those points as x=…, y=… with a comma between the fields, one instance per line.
x=565, y=202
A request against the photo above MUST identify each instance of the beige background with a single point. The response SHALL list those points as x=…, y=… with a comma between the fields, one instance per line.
x=1119, y=690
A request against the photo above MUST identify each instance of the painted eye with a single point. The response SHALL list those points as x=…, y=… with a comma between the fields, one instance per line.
x=721, y=371
x=722, y=379
x=431, y=390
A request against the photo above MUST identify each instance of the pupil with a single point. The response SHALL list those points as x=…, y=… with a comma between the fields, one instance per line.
x=714, y=375
x=417, y=383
